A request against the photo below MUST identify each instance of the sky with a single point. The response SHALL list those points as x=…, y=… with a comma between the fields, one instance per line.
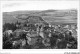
x=9, y=6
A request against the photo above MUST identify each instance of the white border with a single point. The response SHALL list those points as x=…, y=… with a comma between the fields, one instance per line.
x=38, y=50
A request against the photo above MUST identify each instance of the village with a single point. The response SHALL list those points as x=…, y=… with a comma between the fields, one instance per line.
x=35, y=33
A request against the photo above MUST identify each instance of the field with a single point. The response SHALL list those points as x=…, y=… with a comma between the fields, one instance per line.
x=50, y=16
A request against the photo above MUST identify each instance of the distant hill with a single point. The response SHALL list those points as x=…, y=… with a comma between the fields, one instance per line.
x=50, y=16
x=34, y=20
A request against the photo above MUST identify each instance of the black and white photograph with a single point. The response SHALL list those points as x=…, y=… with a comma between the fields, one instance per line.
x=39, y=25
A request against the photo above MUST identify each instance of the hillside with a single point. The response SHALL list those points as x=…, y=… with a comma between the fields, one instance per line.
x=50, y=16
